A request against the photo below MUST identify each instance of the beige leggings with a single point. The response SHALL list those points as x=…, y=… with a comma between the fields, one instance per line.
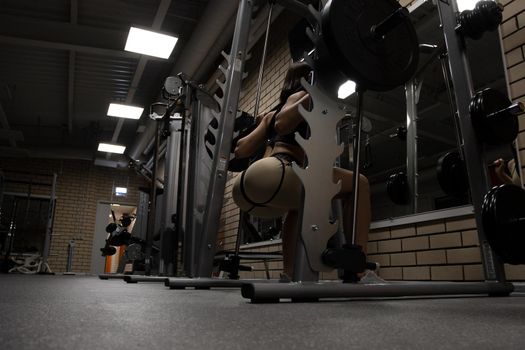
x=268, y=188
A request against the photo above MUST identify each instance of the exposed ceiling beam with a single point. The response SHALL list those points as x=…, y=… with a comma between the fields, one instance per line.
x=64, y=35
x=71, y=72
x=11, y=40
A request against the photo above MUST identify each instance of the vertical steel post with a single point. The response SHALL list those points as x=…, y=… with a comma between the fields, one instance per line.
x=472, y=148
x=411, y=89
x=357, y=155
x=50, y=219
x=225, y=132
x=70, y=253
x=261, y=67
x=171, y=175
x=153, y=203
x=192, y=146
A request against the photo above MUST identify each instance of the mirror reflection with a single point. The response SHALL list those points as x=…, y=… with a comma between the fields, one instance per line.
x=413, y=128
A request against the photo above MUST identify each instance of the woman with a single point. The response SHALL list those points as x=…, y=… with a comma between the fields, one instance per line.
x=270, y=188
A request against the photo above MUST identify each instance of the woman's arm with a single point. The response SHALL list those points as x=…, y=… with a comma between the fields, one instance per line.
x=250, y=143
x=287, y=120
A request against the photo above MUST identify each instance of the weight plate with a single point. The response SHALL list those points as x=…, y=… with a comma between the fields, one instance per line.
x=373, y=63
x=509, y=215
x=495, y=129
x=298, y=41
x=503, y=214
x=451, y=174
x=134, y=252
x=397, y=188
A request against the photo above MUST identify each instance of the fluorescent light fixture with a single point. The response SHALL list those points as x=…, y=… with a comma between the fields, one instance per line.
x=124, y=111
x=466, y=4
x=107, y=147
x=121, y=191
x=346, y=89
x=150, y=43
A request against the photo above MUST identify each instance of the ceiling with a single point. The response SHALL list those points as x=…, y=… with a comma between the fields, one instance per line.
x=63, y=62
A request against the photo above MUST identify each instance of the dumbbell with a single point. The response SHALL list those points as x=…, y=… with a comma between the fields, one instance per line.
x=486, y=16
x=244, y=125
x=494, y=117
x=452, y=174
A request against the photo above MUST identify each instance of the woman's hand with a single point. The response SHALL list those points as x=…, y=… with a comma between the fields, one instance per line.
x=500, y=166
x=249, y=144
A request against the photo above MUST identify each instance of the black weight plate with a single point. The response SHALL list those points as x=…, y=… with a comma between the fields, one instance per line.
x=375, y=64
x=111, y=227
x=397, y=188
x=451, y=174
x=298, y=41
x=243, y=121
x=509, y=212
x=477, y=121
x=494, y=130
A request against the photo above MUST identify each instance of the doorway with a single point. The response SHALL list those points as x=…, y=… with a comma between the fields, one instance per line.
x=106, y=214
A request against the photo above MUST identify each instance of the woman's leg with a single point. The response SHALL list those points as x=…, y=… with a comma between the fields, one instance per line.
x=363, y=206
x=289, y=238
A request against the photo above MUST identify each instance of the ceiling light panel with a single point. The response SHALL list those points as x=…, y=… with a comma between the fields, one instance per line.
x=124, y=111
x=150, y=43
x=108, y=147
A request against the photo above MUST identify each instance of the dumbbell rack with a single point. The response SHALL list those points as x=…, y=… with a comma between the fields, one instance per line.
x=472, y=150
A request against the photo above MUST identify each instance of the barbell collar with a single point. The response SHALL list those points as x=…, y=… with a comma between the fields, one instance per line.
x=380, y=30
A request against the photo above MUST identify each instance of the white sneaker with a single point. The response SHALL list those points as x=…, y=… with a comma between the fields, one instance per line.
x=371, y=277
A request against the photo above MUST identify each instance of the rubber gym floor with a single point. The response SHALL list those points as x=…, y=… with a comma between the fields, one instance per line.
x=84, y=312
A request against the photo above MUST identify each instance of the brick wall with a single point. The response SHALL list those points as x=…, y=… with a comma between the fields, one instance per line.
x=80, y=186
x=446, y=249
x=513, y=34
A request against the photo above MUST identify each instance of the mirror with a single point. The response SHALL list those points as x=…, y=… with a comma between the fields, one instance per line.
x=433, y=133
